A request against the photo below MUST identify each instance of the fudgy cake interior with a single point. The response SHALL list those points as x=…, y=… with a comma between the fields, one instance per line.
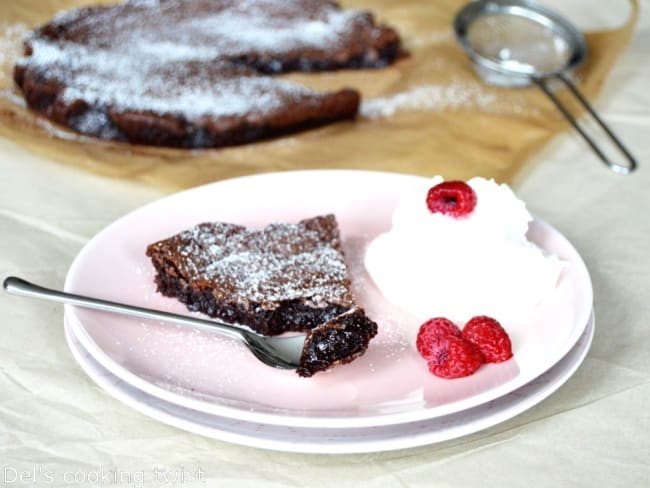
x=196, y=73
x=284, y=277
x=339, y=341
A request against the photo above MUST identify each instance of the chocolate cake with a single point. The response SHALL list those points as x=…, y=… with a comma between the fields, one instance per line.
x=284, y=277
x=197, y=73
x=339, y=341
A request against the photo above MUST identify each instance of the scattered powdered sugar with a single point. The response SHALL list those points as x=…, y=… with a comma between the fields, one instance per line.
x=227, y=98
x=10, y=46
x=279, y=262
x=428, y=97
x=136, y=83
x=183, y=57
x=170, y=51
x=231, y=34
x=12, y=96
x=181, y=358
x=238, y=32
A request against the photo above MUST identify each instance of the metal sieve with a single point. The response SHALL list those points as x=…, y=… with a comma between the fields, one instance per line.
x=518, y=43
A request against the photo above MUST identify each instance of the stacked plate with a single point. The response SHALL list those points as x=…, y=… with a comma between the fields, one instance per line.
x=385, y=400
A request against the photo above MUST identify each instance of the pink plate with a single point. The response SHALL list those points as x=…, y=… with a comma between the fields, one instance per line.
x=389, y=385
x=332, y=440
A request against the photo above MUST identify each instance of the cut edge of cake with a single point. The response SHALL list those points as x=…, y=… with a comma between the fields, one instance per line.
x=338, y=341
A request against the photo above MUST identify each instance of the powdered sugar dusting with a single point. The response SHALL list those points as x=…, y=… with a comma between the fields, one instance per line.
x=137, y=83
x=181, y=57
x=428, y=97
x=240, y=30
x=279, y=262
x=10, y=46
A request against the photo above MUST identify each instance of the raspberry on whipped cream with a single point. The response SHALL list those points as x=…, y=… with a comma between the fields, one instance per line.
x=435, y=265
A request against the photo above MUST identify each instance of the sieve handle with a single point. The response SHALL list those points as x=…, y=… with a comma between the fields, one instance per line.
x=618, y=168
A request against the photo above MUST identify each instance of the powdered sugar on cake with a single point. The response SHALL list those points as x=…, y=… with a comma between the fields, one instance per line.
x=189, y=69
x=245, y=28
x=277, y=263
x=232, y=27
x=139, y=83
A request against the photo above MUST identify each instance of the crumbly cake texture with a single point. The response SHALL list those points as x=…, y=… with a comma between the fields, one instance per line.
x=196, y=73
x=284, y=277
x=339, y=341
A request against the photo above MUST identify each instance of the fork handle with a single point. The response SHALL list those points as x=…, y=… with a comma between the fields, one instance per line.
x=18, y=286
x=624, y=168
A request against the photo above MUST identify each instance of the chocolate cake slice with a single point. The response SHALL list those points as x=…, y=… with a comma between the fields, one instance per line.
x=195, y=73
x=284, y=277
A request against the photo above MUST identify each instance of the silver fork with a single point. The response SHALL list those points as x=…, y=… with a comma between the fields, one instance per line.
x=278, y=352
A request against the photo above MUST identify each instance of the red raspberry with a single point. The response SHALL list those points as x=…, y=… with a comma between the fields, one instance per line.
x=432, y=332
x=453, y=198
x=455, y=358
x=488, y=335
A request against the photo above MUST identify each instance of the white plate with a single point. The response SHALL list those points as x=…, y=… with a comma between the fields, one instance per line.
x=337, y=441
x=390, y=384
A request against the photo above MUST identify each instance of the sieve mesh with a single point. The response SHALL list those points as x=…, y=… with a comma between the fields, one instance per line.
x=518, y=44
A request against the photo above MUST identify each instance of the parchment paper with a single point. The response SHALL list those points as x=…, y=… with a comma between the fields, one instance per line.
x=428, y=114
x=58, y=428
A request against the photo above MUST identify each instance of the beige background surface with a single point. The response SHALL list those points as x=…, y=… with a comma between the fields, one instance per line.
x=595, y=431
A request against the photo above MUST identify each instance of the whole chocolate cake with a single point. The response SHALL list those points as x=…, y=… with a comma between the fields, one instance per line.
x=284, y=277
x=197, y=73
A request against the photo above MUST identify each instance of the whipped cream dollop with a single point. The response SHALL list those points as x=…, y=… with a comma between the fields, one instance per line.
x=431, y=264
